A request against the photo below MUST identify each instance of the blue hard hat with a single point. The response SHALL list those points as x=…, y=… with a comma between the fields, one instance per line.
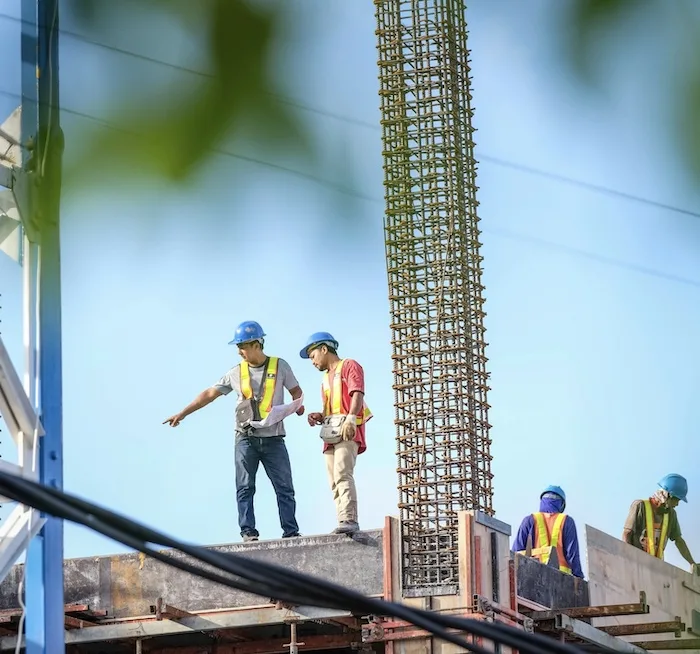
x=318, y=338
x=247, y=331
x=557, y=490
x=676, y=485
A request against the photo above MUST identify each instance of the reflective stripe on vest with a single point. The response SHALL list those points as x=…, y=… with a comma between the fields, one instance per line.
x=333, y=397
x=544, y=542
x=267, y=384
x=651, y=532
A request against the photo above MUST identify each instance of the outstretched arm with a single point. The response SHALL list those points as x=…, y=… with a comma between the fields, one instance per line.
x=685, y=552
x=204, y=398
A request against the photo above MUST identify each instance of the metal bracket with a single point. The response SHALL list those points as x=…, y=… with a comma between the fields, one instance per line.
x=483, y=605
x=687, y=586
x=164, y=611
x=16, y=532
x=22, y=183
x=6, y=176
x=373, y=631
x=293, y=643
x=24, y=190
x=21, y=420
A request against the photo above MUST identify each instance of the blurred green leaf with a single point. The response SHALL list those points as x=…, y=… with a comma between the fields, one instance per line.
x=593, y=26
x=589, y=22
x=688, y=112
x=172, y=137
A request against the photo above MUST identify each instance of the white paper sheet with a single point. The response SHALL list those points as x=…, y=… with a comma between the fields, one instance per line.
x=278, y=413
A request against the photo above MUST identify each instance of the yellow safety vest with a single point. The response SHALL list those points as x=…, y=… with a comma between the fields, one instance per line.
x=543, y=552
x=268, y=385
x=651, y=534
x=333, y=397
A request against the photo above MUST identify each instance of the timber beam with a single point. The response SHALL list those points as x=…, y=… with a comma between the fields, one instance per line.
x=677, y=644
x=164, y=611
x=639, y=608
x=76, y=616
x=205, y=622
x=671, y=626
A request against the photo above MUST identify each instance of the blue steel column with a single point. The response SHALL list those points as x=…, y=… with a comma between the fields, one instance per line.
x=44, y=577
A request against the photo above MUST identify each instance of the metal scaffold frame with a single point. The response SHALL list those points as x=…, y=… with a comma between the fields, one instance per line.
x=434, y=276
x=32, y=171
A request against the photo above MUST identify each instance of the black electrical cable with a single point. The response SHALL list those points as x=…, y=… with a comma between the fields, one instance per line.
x=384, y=608
x=264, y=578
x=54, y=506
x=58, y=502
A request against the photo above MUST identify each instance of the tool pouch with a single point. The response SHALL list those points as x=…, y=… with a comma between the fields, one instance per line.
x=331, y=429
x=247, y=411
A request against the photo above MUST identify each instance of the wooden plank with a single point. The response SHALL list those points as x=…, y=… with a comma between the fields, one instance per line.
x=618, y=572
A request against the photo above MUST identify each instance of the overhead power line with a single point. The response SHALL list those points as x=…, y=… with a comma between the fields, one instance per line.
x=516, y=236
x=498, y=161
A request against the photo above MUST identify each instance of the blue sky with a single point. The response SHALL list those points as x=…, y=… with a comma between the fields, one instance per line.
x=594, y=364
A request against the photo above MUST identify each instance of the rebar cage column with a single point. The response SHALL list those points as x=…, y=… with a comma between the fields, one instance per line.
x=435, y=290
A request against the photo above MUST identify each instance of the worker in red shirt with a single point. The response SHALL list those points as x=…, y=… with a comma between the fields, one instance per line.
x=342, y=423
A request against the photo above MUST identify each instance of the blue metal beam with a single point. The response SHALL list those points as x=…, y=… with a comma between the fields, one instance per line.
x=41, y=126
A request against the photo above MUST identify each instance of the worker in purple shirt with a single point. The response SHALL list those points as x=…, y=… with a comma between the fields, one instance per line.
x=550, y=528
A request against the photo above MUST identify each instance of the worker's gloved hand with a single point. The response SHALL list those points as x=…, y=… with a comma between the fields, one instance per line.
x=349, y=428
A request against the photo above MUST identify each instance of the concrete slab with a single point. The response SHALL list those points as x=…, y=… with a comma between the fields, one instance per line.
x=128, y=584
x=618, y=572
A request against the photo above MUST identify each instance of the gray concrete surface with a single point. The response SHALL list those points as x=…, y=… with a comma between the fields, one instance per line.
x=127, y=585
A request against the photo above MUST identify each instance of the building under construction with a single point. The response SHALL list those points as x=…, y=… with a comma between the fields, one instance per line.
x=631, y=602
x=445, y=551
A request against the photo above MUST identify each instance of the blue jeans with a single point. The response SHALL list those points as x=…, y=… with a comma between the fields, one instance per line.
x=271, y=451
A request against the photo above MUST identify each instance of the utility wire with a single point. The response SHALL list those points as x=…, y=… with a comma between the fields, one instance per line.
x=267, y=164
x=505, y=163
x=514, y=236
x=266, y=579
x=611, y=261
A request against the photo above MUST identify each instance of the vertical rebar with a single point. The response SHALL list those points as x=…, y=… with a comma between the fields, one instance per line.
x=434, y=276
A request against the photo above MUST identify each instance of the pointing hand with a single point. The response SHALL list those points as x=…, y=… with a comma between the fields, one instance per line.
x=175, y=420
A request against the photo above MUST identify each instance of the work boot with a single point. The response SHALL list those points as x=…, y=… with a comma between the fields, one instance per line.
x=297, y=535
x=250, y=538
x=346, y=527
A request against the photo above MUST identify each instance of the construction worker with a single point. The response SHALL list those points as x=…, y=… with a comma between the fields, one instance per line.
x=657, y=515
x=550, y=529
x=342, y=423
x=259, y=381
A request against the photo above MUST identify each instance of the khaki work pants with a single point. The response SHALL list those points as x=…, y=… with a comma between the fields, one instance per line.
x=340, y=466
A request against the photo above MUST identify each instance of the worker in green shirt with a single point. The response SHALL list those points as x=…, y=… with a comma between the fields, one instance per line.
x=651, y=523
